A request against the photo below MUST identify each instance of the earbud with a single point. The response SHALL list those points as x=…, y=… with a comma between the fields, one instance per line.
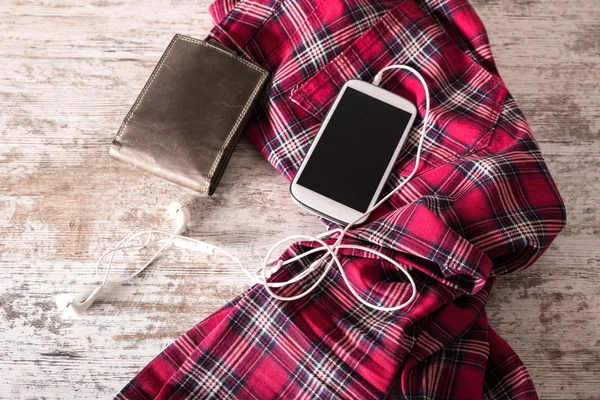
x=74, y=307
x=182, y=217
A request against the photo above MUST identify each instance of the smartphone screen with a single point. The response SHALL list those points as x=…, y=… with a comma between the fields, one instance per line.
x=354, y=150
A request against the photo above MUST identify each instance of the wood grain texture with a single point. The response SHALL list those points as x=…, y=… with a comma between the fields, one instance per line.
x=71, y=69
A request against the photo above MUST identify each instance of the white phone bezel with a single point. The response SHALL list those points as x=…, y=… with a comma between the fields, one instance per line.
x=331, y=209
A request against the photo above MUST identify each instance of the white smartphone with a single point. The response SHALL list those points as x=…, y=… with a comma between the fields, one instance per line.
x=353, y=153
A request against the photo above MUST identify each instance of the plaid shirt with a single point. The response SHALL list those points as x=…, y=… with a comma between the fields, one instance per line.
x=483, y=204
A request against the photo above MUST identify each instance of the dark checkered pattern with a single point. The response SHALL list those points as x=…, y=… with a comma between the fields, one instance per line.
x=482, y=204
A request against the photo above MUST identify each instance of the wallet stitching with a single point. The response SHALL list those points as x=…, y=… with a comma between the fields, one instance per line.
x=146, y=88
x=204, y=43
x=233, y=130
x=242, y=114
x=157, y=70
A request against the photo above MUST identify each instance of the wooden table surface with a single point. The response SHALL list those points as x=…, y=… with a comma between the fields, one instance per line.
x=69, y=72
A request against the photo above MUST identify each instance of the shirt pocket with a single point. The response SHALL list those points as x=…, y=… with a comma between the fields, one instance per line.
x=465, y=98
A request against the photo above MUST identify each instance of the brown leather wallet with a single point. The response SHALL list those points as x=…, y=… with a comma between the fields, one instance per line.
x=185, y=123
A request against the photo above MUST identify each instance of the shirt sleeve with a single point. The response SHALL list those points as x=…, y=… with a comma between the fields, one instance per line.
x=489, y=213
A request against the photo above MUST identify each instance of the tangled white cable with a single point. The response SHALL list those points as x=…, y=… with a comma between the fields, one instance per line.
x=330, y=257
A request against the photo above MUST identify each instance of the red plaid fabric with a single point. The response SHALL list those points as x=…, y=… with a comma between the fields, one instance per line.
x=482, y=204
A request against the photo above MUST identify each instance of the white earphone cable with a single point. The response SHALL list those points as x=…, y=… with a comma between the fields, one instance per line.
x=268, y=268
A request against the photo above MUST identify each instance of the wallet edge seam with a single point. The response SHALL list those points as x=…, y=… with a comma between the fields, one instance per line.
x=235, y=129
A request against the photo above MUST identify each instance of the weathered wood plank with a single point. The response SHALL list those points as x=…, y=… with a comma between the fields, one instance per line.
x=71, y=69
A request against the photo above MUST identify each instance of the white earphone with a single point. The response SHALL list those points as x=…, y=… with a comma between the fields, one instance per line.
x=74, y=307
x=181, y=215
